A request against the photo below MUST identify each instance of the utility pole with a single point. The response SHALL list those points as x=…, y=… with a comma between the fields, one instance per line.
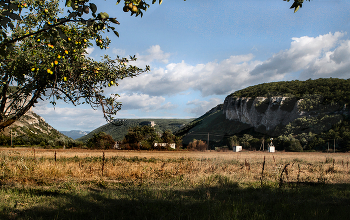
x=208, y=141
x=328, y=146
x=263, y=143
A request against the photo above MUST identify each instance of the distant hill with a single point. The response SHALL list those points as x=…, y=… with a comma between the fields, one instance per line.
x=75, y=134
x=33, y=129
x=119, y=128
x=311, y=111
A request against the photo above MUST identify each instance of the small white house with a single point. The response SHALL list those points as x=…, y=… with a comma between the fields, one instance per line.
x=237, y=148
x=271, y=149
x=172, y=145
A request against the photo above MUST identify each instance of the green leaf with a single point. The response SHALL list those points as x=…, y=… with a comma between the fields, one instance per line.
x=116, y=33
x=69, y=3
x=93, y=7
x=113, y=20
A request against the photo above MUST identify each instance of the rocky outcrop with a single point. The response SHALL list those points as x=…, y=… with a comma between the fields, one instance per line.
x=30, y=122
x=267, y=114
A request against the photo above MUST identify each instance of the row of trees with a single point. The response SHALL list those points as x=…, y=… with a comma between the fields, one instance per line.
x=144, y=138
x=338, y=137
x=40, y=140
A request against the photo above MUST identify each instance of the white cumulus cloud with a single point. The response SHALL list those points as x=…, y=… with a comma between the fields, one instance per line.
x=201, y=107
x=313, y=57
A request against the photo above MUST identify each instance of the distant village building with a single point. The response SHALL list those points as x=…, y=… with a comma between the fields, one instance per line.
x=237, y=148
x=116, y=145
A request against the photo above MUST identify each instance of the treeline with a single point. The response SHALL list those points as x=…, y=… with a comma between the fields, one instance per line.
x=42, y=140
x=145, y=137
x=331, y=89
x=120, y=127
x=337, y=138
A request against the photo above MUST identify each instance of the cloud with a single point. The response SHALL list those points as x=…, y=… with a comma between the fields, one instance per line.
x=313, y=57
x=89, y=50
x=211, y=78
x=67, y=117
x=119, y=52
x=202, y=107
x=334, y=63
x=144, y=102
x=302, y=52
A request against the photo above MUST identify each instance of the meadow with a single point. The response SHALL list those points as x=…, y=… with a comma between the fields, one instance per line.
x=92, y=184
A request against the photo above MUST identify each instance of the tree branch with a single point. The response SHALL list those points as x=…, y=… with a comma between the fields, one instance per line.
x=21, y=112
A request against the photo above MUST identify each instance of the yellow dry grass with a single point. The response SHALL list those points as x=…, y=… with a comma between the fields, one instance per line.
x=176, y=167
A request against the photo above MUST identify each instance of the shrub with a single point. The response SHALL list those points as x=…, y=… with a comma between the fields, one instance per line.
x=101, y=140
x=197, y=145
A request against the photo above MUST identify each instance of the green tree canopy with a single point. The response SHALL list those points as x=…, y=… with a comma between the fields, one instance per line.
x=43, y=54
x=101, y=140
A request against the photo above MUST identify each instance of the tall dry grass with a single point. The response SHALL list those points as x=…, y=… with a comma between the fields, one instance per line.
x=21, y=166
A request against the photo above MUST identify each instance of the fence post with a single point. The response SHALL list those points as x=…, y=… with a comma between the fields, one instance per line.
x=103, y=162
x=55, y=156
x=262, y=172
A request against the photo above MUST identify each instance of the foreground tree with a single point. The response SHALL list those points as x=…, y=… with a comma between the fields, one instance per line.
x=43, y=54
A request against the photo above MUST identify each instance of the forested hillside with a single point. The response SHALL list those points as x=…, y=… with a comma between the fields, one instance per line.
x=119, y=128
x=320, y=107
x=331, y=89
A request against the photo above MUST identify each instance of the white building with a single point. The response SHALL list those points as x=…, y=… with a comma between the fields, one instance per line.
x=237, y=148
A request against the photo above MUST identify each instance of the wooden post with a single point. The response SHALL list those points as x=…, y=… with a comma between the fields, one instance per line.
x=55, y=156
x=262, y=172
x=103, y=162
x=34, y=152
x=334, y=145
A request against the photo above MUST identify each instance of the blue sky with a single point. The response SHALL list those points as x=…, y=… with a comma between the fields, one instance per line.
x=200, y=51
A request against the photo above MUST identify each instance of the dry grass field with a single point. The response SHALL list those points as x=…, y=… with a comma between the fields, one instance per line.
x=243, y=167
x=77, y=180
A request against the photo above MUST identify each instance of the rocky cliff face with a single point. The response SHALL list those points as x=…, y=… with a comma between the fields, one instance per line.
x=268, y=114
x=30, y=122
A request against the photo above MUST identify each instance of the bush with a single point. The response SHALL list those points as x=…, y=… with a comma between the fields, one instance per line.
x=295, y=146
x=101, y=140
x=197, y=145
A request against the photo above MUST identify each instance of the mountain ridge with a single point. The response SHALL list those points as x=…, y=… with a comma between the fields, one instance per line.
x=311, y=112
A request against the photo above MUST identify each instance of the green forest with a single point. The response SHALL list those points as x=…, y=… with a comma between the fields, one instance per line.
x=331, y=89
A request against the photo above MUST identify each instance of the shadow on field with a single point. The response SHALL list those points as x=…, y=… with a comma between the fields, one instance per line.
x=226, y=202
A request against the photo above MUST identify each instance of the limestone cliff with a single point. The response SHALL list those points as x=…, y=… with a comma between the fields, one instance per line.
x=276, y=115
